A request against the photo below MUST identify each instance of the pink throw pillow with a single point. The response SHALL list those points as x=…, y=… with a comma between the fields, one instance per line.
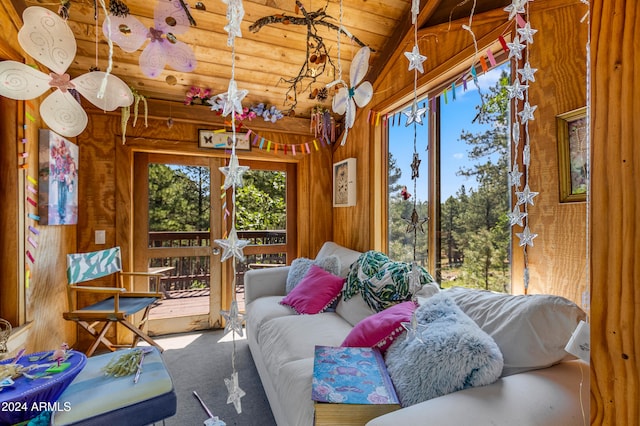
x=380, y=329
x=315, y=292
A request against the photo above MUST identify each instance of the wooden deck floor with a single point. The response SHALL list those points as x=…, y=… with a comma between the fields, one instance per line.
x=186, y=302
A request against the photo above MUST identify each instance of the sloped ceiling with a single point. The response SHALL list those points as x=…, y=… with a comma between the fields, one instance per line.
x=265, y=57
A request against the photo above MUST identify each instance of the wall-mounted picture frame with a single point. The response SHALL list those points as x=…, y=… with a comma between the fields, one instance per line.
x=217, y=139
x=344, y=183
x=572, y=155
x=57, y=179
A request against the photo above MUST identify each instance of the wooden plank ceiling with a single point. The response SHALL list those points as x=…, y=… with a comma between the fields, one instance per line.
x=263, y=58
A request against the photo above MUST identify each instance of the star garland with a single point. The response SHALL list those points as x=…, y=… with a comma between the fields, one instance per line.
x=518, y=92
x=415, y=222
x=232, y=246
x=414, y=116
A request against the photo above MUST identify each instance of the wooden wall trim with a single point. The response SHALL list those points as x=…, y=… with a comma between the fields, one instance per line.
x=615, y=213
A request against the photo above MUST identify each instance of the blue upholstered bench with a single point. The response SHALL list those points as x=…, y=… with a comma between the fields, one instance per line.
x=93, y=399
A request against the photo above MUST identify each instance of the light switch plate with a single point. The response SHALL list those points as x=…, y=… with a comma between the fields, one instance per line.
x=100, y=237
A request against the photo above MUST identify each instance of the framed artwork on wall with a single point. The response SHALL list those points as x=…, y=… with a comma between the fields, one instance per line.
x=344, y=183
x=57, y=179
x=220, y=139
x=572, y=155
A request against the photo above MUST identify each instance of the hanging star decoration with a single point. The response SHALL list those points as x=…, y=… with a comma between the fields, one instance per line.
x=527, y=73
x=415, y=114
x=232, y=246
x=46, y=37
x=235, y=393
x=516, y=90
x=233, y=320
x=516, y=216
x=526, y=196
x=232, y=99
x=527, y=33
x=516, y=7
x=414, y=328
x=415, y=279
x=527, y=112
x=170, y=18
x=235, y=13
x=414, y=223
x=415, y=166
x=515, y=176
x=233, y=172
x=516, y=48
x=526, y=237
x=415, y=59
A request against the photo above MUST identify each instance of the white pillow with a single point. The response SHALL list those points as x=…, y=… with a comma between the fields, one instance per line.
x=530, y=330
x=354, y=310
x=300, y=267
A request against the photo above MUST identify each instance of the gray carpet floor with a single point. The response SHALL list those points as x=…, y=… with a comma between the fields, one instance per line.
x=200, y=361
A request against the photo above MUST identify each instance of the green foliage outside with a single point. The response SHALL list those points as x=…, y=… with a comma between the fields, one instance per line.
x=261, y=201
x=179, y=198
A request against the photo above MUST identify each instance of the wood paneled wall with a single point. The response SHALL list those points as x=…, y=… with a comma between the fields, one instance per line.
x=615, y=213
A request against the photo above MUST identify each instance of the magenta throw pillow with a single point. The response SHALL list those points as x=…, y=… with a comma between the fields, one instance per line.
x=315, y=292
x=380, y=329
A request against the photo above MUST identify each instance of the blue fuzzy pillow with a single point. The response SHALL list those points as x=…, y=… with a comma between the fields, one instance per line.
x=444, y=353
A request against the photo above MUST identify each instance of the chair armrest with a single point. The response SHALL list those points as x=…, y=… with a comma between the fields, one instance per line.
x=104, y=290
x=264, y=282
x=141, y=294
x=144, y=274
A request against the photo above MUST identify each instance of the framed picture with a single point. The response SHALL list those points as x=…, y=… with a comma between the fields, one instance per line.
x=57, y=179
x=344, y=183
x=572, y=155
x=217, y=139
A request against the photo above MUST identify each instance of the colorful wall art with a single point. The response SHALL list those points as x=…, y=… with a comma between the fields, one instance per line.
x=57, y=180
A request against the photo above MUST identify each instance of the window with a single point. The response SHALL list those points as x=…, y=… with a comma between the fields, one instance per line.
x=464, y=213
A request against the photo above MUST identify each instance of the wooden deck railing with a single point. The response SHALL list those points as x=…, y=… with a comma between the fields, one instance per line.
x=192, y=272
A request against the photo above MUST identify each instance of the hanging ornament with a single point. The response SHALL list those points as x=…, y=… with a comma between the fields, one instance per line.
x=415, y=59
x=235, y=393
x=233, y=172
x=48, y=39
x=415, y=114
x=232, y=246
x=357, y=93
x=233, y=320
x=170, y=18
x=235, y=13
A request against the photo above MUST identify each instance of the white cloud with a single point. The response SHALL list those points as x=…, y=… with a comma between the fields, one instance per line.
x=459, y=155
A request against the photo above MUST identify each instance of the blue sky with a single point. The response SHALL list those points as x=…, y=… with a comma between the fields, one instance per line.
x=456, y=116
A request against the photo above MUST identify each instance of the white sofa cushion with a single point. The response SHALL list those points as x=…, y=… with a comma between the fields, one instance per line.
x=262, y=310
x=294, y=337
x=354, y=310
x=531, y=330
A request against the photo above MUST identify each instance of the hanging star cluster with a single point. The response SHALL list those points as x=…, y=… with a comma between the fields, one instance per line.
x=518, y=93
x=232, y=245
x=414, y=116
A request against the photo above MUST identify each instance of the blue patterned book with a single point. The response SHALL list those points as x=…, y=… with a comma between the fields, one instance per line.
x=347, y=375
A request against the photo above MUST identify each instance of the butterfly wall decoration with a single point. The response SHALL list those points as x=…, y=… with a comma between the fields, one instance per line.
x=357, y=93
x=47, y=38
x=163, y=48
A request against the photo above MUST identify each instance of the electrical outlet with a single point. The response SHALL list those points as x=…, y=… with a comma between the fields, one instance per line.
x=100, y=237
